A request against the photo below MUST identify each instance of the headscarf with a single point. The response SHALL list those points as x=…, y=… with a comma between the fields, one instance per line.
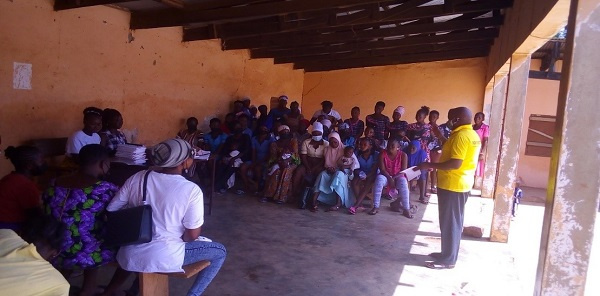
x=333, y=155
x=400, y=110
x=326, y=122
x=171, y=153
x=419, y=156
x=283, y=127
x=317, y=126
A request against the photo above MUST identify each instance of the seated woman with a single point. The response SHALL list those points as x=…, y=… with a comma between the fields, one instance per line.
x=364, y=176
x=111, y=136
x=79, y=201
x=370, y=136
x=215, y=138
x=293, y=118
x=92, y=124
x=283, y=160
x=236, y=150
x=331, y=186
x=312, y=155
x=261, y=144
x=416, y=156
x=18, y=192
x=391, y=163
x=24, y=262
x=177, y=216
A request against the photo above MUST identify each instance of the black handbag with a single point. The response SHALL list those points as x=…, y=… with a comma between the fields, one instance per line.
x=130, y=226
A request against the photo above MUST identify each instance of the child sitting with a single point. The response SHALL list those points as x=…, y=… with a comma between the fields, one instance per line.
x=346, y=162
x=416, y=156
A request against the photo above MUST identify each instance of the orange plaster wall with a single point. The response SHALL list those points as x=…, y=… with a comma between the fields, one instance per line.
x=83, y=58
x=542, y=98
x=439, y=85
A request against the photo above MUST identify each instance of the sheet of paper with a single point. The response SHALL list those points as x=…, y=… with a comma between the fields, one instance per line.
x=21, y=75
x=411, y=174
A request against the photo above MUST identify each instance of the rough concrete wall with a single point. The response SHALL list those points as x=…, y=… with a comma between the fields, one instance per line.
x=439, y=85
x=539, y=18
x=88, y=57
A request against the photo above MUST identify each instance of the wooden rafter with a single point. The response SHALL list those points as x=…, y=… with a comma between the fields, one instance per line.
x=473, y=37
x=316, y=21
x=175, y=17
x=72, y=4
x=302, y=39
x=392, y=60
x=370, y=53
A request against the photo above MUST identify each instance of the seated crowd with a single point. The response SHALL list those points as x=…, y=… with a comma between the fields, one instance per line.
x=338, y=163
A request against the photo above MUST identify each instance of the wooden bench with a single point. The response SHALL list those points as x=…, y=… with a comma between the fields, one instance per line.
x=157, y=284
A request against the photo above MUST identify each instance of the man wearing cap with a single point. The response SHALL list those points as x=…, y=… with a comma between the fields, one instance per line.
x=456, y=175
x=327, y=112
x=177, y=217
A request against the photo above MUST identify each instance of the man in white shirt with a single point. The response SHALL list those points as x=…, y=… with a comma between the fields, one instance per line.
x=327, y=112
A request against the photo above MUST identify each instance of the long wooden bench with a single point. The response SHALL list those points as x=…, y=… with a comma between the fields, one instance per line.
x=157, y=284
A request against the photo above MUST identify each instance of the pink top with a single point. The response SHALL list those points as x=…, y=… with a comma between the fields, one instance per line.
x=392, y=166
x=483, y=131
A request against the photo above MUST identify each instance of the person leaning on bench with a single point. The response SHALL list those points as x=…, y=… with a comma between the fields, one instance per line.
x=177, y=214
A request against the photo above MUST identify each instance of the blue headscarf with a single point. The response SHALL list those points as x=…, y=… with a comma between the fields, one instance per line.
x=418, y=157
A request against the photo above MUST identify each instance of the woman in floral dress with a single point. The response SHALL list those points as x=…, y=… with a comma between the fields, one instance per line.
x=79, y=201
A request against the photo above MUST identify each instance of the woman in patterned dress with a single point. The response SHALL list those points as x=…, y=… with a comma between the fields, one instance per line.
x=79, y=201
x=111, y=136
x=279, y=181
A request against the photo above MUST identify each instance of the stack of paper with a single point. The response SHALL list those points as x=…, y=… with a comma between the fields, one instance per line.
x=202, y=154
x=133, y=153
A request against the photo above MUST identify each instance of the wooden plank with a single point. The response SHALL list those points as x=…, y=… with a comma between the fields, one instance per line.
x=302, y=39
x=72, y=4
x=381, y=52
x=319, y=20
x=175, y=17
x=487, y=34
x=154, y=284
x=391, y=60
x=544, y=75
x=214, y=4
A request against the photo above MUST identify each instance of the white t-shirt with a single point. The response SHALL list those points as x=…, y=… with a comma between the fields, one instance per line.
x=79, y=139
x=333, y=113
x=177, y=204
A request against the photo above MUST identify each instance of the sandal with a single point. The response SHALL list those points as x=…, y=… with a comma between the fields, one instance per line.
x=424, y=201
x=434, y=190
x=434, y=265
x=333, y=209
x=352, y=210
x=435, y=255
x=314, y=209
x=374, y=211
x=407, y=214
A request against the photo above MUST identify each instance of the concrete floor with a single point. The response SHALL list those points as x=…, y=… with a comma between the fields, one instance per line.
x=280, y=250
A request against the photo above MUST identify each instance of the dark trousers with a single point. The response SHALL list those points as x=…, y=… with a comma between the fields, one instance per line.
x=451, y=207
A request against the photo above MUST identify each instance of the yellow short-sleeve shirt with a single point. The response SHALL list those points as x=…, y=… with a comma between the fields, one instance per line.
x=24, y=272
x=463, y=144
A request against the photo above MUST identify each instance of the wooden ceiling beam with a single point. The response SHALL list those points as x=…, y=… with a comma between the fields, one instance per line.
x=392, y=60
x=175, y=17
x=303, y=39
x=412, y=49
x=316, y=21
x=474, y=36
x=72, y=4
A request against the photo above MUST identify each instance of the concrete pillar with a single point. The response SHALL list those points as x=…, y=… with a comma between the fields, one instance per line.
x=495, y=120
x=510, y=140
x=574, y=183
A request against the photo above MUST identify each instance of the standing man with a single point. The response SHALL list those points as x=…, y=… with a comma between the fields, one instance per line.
x=379, y=122
x=456, y=171
x=327, y=112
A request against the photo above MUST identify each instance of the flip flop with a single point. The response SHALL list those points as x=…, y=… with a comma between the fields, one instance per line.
x=407, y=214
x=352, y=210
x=374, y=211
x=424, y=201
x=434, y=265
x=333, y=209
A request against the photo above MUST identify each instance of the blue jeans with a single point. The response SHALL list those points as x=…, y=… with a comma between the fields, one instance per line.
x=198, y=251
x=401, y=184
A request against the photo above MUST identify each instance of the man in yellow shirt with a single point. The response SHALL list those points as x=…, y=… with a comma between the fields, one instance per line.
x=456, y=173
x=24, y=269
